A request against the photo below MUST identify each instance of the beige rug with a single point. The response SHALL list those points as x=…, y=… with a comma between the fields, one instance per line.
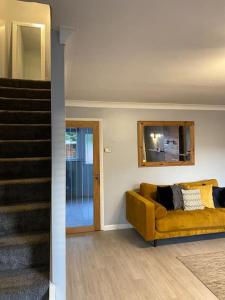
x=210, y=269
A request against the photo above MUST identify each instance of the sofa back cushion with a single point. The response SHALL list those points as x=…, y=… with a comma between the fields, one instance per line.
x=206, y=194
x=213, y=182
x=219, y=196
x=165, y=197
x=148, y=190
x=178, y=200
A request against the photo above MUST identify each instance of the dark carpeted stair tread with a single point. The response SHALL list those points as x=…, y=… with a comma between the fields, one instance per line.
x=41, y=112
x=25, y=104
x=22, y=277
x=18, y=168
x=25, y=117
x=24, y=251
x=27, y=148
x=23, y=207
x=42, y=100
x=21, y=218
x=21, y=159
x=24, y=239
x=21, y=83
x=25, y=181
x=27, y=284
x=25, y=190
x=9, y=92
x=24, y=141
x=25, y=132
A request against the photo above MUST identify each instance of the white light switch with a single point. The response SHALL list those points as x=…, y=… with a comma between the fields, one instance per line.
x=107, y=150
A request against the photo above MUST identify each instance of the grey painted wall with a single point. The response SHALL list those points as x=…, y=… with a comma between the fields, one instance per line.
x=121, y=171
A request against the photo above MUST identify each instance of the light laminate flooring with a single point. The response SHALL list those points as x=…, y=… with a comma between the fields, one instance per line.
x=120, y=265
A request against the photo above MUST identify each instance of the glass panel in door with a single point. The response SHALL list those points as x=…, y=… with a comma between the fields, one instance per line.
x=79, y=177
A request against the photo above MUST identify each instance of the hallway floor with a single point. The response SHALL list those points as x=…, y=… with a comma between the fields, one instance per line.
x=120, y=265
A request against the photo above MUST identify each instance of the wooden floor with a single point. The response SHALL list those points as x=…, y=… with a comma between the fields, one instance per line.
x=119, y=265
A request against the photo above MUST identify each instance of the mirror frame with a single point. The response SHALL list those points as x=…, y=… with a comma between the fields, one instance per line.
x=140, y=132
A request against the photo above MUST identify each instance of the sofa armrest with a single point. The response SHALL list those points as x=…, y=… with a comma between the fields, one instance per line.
x=140, y=212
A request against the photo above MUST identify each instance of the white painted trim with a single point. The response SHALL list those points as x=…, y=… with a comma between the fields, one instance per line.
x=143, y=105
x=51, y=291
x=65, y=33
x=102, y=216
x=15, y=25
x=117, y=227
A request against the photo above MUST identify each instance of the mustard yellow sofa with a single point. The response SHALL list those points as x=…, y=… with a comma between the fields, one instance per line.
x=154, y=222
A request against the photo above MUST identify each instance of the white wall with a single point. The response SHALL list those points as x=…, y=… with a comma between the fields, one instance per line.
x=58, y=237
x=121, y=171
x=32, y=66
x=13, y=10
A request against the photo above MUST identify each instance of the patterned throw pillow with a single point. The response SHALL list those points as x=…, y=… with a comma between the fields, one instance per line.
x=192, y=199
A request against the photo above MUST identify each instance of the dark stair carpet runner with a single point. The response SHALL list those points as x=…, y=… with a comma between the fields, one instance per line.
x=25, y=189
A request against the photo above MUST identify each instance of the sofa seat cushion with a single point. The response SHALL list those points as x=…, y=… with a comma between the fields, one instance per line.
x=187, y=220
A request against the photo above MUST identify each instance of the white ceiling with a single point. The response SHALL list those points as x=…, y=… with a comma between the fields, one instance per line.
x=145, y=50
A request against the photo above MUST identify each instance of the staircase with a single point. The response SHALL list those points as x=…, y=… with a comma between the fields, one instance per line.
x=25, y=189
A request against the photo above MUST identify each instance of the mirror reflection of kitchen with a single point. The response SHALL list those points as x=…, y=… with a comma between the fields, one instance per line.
x=167, y=143
x=28, y=52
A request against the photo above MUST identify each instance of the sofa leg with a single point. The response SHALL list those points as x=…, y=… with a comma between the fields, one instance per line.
x=155, y=243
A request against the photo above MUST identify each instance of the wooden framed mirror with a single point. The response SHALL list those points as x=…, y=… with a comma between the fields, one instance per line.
x=165, y=143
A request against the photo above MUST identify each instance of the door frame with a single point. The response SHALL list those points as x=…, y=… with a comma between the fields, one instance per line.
x=15, y=25
x=2, y=48
x=101, y=181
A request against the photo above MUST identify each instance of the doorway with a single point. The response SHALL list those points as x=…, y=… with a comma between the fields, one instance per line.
x=82, y=176
x=28, y=51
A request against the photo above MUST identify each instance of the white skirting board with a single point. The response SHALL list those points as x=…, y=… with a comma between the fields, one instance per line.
x=116, y=227
x=51, y=291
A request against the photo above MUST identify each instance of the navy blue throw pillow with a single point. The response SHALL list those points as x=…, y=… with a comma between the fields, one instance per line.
x=218, y=196
x=222, y=198
x=165, y=197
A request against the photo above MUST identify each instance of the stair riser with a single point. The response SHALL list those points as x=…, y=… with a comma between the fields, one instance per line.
x=24, y=222
x=25, y=149
x=25, y=193
x=24, y=132
x=25, y=118
x=21, y=257
x=25, y=83
x=25, y=169
x=24, y=105
x=25, y=93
